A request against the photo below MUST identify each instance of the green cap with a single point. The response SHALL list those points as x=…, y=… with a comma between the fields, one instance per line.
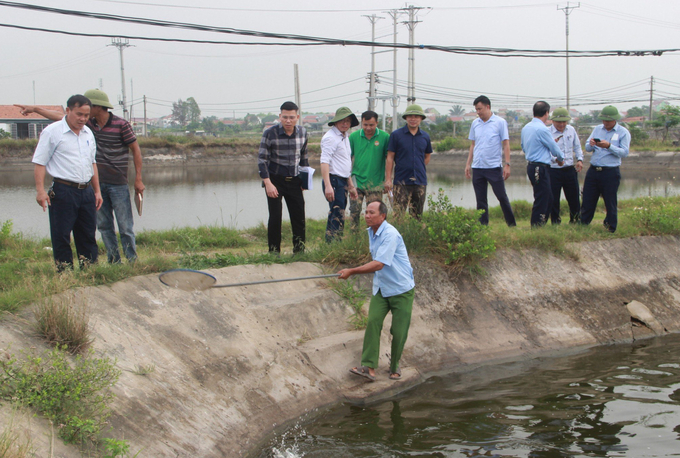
x=560, y=114
x=414, y=110
x=342, y=113
x=98, y=98
x=609, y=113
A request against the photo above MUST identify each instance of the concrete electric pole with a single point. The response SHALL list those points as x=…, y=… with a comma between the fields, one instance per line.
x=567, y=11
x=411, y=24
x=122, y=44
x=371, y=84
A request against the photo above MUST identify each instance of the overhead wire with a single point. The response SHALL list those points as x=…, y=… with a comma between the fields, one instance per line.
x=310, y=40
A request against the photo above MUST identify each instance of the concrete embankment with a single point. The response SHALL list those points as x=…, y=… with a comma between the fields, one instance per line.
x=232, y=365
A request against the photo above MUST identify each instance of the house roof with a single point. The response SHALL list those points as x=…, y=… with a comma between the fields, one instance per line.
x=14, y=113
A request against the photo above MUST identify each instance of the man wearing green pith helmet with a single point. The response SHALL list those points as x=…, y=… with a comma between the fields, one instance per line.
x=409, y=152
x=565, y=177
x=609, y=142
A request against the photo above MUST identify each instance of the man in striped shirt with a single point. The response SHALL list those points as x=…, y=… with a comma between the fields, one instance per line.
x=115, y=140
x=283, y=150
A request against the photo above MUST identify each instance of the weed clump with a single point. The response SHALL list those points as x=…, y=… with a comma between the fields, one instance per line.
x=75, y=397
x=64, y=322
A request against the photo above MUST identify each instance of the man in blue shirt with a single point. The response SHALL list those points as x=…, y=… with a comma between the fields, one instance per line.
x=393, y=291
x=539, y=147
x=409, y=151
x=489, y=147
x=609, y=143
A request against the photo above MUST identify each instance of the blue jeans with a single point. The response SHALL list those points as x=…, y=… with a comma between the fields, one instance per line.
x=336, y=213
x=117, y=200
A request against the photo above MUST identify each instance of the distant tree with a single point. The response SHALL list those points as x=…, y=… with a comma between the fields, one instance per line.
x=666, y=119
x=180, y=112
x=638, y=111
x=193, y=111
x=270, y=118
x=209, y=124
x=4, y=134
x=457, y=110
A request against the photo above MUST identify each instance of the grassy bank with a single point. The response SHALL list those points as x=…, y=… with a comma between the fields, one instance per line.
x=447, y=234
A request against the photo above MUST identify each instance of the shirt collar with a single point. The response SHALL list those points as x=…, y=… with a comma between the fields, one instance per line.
x=337, y=132
x=282, y=131
x=375, y=134
x=379, y=231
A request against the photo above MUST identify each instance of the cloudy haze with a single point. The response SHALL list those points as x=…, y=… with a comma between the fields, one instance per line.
x=229, y=80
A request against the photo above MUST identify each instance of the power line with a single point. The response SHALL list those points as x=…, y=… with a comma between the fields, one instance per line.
x=496, y=52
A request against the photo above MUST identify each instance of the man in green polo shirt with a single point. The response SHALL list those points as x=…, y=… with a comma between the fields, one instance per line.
x=369, y=151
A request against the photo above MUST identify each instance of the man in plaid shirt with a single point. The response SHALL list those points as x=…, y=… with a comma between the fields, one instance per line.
x=283, y=150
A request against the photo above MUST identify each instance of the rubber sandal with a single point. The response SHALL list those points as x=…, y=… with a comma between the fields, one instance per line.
x=362, y=371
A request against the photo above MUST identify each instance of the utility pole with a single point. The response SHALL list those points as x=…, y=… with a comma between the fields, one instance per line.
x=651, y=97
x=395, y=100
x=122, y=44
x=132, y=99
x=145, y=133
x=567, y=11
x=298, y=102
x=411, y=24
x=371, y=85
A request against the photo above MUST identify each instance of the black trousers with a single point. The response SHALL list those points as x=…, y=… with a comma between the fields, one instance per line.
x=539, y=176
x=565, y=178
x=601, y=181
x=73, y=210
x=289, y=188
x=481, y=178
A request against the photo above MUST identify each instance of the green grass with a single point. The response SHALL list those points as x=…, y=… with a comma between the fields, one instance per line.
x=27, y=272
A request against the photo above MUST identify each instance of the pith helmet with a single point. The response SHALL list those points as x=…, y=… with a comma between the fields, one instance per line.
x=414, y=110
x=609, y=113
x=342, y=113
x=98, y=98
x=560, y=114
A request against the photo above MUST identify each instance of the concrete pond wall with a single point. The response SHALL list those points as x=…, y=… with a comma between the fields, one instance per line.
x=233, y=365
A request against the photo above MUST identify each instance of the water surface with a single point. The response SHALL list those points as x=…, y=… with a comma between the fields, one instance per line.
x=617, y=401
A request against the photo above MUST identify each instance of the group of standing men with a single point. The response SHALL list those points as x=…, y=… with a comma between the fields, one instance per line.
x=87, y=152
x=358, y=166
x=554, y=159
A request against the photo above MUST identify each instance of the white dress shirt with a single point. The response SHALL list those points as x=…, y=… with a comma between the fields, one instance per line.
x=336, y=152
x=65, y=154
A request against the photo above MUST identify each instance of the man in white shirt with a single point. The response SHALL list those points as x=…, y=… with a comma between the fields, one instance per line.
x=565, y=176
x=336, y=170
x=66, y=150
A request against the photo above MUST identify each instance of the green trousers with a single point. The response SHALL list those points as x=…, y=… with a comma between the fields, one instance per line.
x=401, y=306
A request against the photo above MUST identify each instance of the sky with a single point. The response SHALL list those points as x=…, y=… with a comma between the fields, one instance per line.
x=233, y=80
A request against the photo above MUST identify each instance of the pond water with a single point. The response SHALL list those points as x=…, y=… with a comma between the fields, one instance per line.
x=614, y=401
x=232, y=196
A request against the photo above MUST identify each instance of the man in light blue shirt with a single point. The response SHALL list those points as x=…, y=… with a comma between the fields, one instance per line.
x=539, y=147
x=393, y=291
x=489, y=148
x=609, y=143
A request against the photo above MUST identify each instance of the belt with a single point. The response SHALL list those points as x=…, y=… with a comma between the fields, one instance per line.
x=601, y=168
x=337, y=176
x=539, y=163
x=72, y=184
